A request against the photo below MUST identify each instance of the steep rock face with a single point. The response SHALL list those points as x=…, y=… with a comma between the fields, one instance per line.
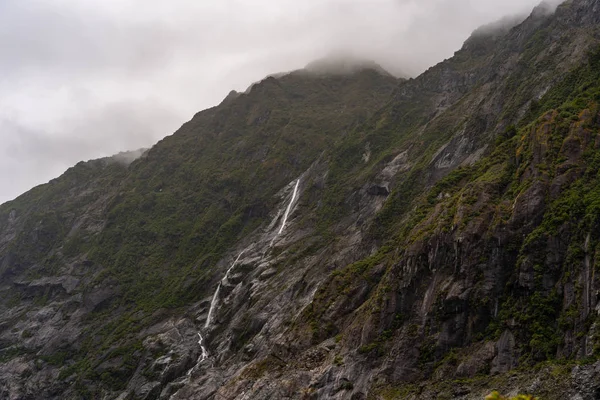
x=330, y=236
x=445, y=281
x=95, y=263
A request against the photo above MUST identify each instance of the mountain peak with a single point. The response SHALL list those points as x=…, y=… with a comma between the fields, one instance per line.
x=343, y=64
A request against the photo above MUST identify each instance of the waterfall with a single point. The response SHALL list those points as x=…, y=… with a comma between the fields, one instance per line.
x=226, y=277
x=212, y=306
x=288, y=210
x=215, y=298
x=289, y=207
x=204, y=355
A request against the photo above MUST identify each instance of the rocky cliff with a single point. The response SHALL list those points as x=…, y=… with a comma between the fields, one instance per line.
x=331, y=235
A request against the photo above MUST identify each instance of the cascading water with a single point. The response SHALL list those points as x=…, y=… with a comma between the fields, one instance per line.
x=225, y=279
x=215, y=298
x=287, y=213
x=204, y=354
x=289, y=207
x=212, y=306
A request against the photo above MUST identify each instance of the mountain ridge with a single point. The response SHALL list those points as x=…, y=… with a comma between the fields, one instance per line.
x=346, y=236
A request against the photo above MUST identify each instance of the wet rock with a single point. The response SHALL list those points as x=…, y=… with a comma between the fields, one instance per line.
x=269, y=273
x=399, y=164
x=99, y=298
x=171, y=388
x=376, y=190
x=478, y=362
x=48, y=286
x=505, y=359
x=125, y=396
x=149, y=391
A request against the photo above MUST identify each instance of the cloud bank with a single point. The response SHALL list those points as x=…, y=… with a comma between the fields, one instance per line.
x=87, y=79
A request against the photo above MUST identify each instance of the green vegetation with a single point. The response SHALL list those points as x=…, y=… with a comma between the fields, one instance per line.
x=498, y=396
x=492, y=227
x=555, y=144
x=156, y=228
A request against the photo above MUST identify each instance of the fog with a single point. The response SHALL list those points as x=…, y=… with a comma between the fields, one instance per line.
x=88, y=79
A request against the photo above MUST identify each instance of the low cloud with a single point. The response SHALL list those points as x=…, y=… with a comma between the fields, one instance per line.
x=81, y=80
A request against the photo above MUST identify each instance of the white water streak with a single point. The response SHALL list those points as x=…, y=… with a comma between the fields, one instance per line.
x=289, y=207
x=226, y=277
x=212, y=306
x=204, y=354
x=215, y=298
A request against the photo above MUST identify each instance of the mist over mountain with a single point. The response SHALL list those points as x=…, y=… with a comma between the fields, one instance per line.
x=335, y=230
x=84, y=80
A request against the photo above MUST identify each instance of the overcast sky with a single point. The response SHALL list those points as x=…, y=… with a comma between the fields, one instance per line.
x=82, y=79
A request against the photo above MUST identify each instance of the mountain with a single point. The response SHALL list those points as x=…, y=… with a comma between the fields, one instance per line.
x=331, y=235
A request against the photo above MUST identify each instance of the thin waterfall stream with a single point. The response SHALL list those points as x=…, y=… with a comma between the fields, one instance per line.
x=225, y=279
x=204, y=354
x=212, y=306
x=289, y=207
x=216, y=295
